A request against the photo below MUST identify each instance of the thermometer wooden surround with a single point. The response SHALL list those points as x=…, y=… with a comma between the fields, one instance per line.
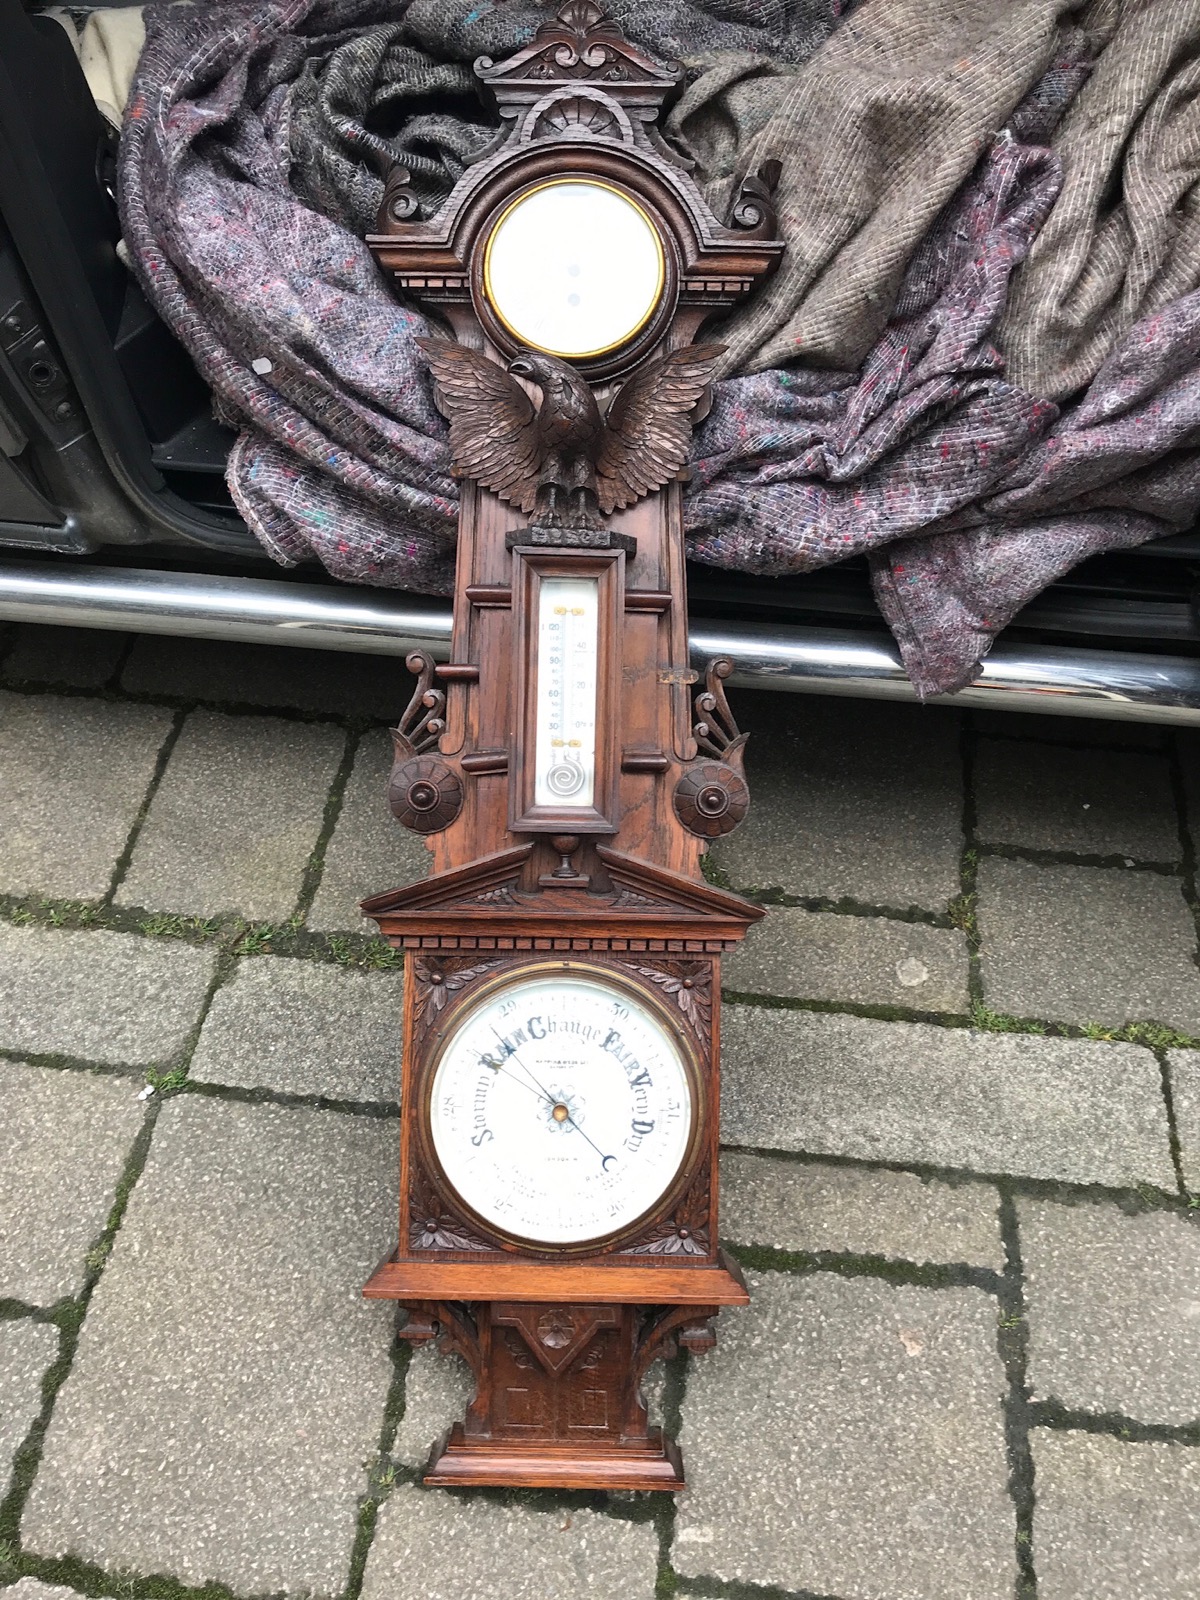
x=568, y=768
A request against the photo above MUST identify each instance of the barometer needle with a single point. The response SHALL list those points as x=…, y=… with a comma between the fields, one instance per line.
x=537, y=1094
x=512, y=1055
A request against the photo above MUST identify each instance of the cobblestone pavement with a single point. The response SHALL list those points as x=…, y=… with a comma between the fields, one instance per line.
x=962, y=1118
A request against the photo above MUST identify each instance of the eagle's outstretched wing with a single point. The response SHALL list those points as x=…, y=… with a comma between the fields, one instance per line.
x=649, y=426
x=493, y=425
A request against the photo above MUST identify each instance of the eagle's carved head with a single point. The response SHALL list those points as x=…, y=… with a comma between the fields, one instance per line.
x=553, y=377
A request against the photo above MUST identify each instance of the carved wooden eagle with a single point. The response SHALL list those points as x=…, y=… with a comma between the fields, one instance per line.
x=563, y=459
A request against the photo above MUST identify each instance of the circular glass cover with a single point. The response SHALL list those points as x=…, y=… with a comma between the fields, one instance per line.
x=574, y=268
x=561, y=1109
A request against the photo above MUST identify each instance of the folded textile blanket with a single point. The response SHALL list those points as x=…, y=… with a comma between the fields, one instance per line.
x=1121, y=467
x=1124, y=238
x=251, y=162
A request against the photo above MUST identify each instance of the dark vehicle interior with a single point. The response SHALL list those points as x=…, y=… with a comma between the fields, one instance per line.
x=109, y=452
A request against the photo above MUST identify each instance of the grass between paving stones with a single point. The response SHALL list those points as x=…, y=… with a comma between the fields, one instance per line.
x=121, y=865
x=1012, y=1343
x=334, y=801
x=848, y=1264
x=373, y=953
x=382, y=1473
x=718, y=1589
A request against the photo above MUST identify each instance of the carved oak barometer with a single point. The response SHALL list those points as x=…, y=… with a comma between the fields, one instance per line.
x=558, y=1207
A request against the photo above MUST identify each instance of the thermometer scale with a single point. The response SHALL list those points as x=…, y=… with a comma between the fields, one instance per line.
x=568, y=627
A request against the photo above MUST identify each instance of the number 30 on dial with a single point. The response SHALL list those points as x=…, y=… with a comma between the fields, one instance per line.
x=562, y=1107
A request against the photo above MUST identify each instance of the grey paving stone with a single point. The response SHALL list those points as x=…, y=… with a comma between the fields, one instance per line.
x=1087, y=944
x=792, y=1205
x=264, y=675
x=369, y=851
x=113, y=997
x=64, y=1141
x=1115, y=1520
x=70, y=658
x=1185, y=1084
x=73, y=776
x=1094, y=802
x=235, y=817
x=846, y=1437
x=229, y=1381
x=433, y=1546
x=35, y=1589
x=26, y=1350
x=437, y=1388
x=849, y=799
x=305, y=1028
x=955, y=1097
x=818, y=955
x=1114, y=1309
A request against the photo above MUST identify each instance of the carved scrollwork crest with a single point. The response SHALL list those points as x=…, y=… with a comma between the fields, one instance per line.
x=580, y=42
x=715, y=729
x=399, y=203
x=423, y=722
x=627, y=899
x=754, y=203
x=424, y=792
x=712, y=796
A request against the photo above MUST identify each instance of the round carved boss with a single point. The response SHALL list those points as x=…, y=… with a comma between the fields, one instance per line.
x=711, y=799
x=425, y=794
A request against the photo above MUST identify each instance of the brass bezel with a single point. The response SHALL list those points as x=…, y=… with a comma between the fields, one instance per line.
x=576, y=182
x=610, y=977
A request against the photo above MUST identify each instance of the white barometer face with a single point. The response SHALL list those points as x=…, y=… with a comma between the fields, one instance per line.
x=561, y=1108
x=574, y=268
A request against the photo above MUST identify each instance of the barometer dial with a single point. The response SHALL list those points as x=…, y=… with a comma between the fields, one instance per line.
x=561, y=1108
x=574, y=267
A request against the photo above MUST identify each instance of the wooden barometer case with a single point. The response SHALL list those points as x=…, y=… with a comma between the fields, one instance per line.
x=568, y=768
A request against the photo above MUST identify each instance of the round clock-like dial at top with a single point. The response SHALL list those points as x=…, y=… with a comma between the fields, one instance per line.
x=574, y=267
x=561, y=1108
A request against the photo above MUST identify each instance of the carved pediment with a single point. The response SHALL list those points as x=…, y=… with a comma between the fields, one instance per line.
x=581, y=44
x=489, y=883
x=486, y=898
x=648, y=889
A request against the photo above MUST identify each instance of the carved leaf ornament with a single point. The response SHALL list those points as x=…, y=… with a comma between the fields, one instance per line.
x=437, y=982
x=688, y=985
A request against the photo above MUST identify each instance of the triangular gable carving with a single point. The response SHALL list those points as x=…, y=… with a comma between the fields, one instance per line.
x=488, y=881
x=640, y=879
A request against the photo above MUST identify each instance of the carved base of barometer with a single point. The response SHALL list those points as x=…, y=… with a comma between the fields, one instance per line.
x=558, y=1400
x=459, y=1462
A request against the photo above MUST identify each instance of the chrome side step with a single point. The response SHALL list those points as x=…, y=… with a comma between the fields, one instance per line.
x=1055, y=680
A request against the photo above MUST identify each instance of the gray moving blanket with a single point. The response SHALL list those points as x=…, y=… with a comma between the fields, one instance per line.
x=868, y=408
